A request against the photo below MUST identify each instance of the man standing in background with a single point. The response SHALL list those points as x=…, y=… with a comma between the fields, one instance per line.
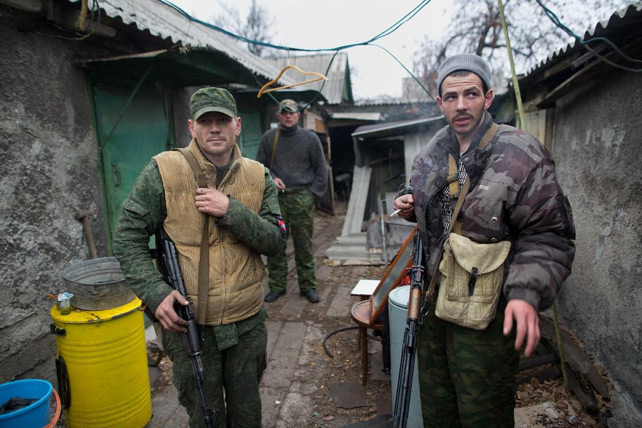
x=297, y=165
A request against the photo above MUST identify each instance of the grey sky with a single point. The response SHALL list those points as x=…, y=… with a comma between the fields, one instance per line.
x=330, y=23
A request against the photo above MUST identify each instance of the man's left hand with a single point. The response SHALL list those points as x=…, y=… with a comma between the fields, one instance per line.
x=525, y=316
x=211, y=201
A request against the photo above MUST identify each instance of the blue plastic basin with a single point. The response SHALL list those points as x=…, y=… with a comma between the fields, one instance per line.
x=36, y=414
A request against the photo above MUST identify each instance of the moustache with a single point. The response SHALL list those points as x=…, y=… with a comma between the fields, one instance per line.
x=462, y=116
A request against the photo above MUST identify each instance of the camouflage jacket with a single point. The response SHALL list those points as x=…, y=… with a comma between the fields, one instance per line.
x=514, y=195
x=144, y=211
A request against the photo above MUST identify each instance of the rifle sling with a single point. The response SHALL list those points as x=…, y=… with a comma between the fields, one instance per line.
x=490, y=133
x=274, y=143
x=204, y=255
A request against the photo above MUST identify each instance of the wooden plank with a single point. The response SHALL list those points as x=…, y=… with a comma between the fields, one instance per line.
x=591, y=70
x=542, y=376
x=585, y=398
x=538, y=360
x=358, y=198
x=575, y=356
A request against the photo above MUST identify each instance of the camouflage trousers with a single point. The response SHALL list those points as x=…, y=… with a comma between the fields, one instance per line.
x=297, y=209
x=466, y=376
x=231, y=378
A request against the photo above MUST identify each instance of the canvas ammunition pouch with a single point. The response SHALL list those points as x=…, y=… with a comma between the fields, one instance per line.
x=472, y=275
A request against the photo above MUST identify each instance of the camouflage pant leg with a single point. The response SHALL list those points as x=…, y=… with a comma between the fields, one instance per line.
x=278, y=271
x=466, y=376
x=298, y=213
x=237, y=370
x=244, y=366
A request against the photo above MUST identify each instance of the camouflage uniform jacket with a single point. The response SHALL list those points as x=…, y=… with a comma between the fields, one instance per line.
x=144, y=211
x=514, y=195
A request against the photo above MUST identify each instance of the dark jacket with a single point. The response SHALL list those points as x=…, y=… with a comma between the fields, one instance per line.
x=298, y=159
x=514, y=195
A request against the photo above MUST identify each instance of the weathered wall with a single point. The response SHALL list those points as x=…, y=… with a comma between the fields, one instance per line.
x=597, y=148
x=180, y=105
x=48, y=159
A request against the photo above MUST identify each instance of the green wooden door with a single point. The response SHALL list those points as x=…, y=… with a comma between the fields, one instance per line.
x=250, y=133
x=142, y=131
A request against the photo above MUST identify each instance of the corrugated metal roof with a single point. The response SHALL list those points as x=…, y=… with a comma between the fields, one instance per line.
x=338, y=89
x=162, y=21
x=393, y=128
x=180, y=66
x=384, y=101
x=601, y=29
x=356, y=115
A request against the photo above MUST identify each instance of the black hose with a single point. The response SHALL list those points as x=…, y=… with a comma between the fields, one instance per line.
x=327, y=336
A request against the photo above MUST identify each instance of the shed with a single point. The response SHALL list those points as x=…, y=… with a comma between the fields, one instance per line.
x=85, y=101
x=383, y=158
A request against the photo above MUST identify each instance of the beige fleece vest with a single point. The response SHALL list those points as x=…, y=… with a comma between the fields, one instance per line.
x=236, y=272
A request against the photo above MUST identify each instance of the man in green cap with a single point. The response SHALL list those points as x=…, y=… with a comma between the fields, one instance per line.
x=238, y=199
x=297, y=164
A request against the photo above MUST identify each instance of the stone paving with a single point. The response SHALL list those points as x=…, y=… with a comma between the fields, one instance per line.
x=296, y=328
x=296, y=361
x=294, y=384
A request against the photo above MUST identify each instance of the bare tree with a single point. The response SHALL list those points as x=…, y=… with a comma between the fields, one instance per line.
x=256, y=26
x=476, y=27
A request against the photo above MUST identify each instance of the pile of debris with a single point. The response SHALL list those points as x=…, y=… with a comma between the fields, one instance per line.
x=586, y=399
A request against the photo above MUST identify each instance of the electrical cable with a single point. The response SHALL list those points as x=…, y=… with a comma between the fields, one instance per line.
x=370, y=42
x=408, y=71
x=558, y=23
x=327, y=336
x=244, y=39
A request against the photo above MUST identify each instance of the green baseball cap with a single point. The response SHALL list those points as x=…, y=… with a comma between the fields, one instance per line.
x=208, y=100
x=289, y=105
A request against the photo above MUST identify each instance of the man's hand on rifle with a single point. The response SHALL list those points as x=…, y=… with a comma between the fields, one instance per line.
x=168, y=317
x=405, y=203
x=211, y=201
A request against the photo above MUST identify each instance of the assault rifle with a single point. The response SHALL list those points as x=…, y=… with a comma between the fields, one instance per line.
x=409, y=346
x=169, y=268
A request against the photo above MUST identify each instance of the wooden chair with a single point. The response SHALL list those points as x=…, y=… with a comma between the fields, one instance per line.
x=366, y=312
x=360, y=314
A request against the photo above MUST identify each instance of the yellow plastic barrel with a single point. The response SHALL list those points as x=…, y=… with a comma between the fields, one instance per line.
x=101, y=363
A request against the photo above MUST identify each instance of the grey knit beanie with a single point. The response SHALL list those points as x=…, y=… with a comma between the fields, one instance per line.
x=466, y=62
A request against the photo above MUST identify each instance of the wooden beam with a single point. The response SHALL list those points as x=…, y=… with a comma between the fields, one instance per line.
x=538, y=360
x=575, y=356
x=585, y=398
x=542, y=376
x=590, y=71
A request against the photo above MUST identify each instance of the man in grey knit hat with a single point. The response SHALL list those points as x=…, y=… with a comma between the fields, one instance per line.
x=498, y=258
x=295, y=158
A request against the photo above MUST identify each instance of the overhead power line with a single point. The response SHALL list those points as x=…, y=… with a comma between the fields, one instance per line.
x=407, y=17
